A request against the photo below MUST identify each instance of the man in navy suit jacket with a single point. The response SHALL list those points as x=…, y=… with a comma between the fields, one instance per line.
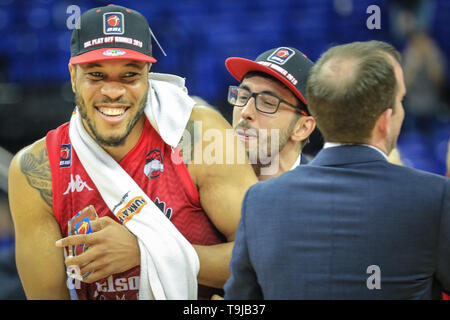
x=349, y=225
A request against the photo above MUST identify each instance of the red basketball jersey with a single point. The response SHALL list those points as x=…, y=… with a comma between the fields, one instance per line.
x=160, y=172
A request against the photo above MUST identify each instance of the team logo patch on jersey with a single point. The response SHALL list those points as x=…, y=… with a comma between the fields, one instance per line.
x=83, y=227
x=154, y=164
x=281, y=55
x=65, y=156
x=113, y=23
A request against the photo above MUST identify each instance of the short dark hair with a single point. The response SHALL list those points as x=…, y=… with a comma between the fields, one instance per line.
x=347, y=107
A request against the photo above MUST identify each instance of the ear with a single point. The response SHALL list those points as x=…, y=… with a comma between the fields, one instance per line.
x=382, y=125
x=303, y=128
x=73, y=74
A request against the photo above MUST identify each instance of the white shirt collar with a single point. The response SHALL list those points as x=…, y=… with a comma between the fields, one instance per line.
x=335, y=144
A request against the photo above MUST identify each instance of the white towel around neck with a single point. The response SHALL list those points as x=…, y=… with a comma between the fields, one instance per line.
x=168, y=106
x=169, y=263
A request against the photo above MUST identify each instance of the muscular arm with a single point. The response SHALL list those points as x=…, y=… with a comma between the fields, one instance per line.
x=39, y=262
x=221, y=185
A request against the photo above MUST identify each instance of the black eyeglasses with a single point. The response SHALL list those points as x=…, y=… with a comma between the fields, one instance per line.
x=264, y=102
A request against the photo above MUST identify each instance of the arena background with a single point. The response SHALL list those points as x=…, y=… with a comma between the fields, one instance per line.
x=198, y=35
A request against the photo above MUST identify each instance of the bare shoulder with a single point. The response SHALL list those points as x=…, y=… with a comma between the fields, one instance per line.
x=203, y=120
x=30, y=169
x=219, y=168
x=213, y=145
x=209, y=117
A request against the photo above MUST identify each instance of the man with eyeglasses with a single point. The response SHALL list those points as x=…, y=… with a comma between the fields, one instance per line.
x=270, y=111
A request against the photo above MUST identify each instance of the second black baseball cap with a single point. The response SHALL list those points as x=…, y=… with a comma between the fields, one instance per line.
x=287, y=64
x=111, y=32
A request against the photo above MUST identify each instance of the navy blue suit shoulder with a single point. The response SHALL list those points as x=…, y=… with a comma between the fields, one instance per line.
x=315, y=231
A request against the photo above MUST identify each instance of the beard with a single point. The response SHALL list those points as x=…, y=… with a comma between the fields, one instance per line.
x=266, y=147
x=114, y=140
x=264, y=136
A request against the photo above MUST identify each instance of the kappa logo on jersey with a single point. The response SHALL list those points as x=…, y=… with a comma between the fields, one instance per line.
x=281, y=55
x=113, y=23
x=65, y=156
x=76, y=184
x=162, y=206
x=154, y=164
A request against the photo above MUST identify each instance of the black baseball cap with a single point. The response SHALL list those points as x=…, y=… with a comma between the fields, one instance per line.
x=286, y=64
x=111, y=32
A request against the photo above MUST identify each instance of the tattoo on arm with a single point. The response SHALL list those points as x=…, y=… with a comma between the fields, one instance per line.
x=36, y=168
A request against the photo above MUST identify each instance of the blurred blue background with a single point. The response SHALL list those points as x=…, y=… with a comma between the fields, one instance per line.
x=198, y=35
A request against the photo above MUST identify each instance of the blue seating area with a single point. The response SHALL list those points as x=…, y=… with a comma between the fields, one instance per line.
x=426, y=152
x=198, y=35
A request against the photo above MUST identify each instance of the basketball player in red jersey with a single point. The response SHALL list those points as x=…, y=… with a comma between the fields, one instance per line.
x=109, y=68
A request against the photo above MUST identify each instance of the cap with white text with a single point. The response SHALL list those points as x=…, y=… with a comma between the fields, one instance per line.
x=111, y=32
x=287, y=64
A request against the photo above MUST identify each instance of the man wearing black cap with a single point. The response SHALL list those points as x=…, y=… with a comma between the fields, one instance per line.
x=275, y=124
x=138, y=118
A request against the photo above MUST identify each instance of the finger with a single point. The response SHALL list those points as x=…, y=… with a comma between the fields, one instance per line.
x=76, y=273
x=96, y=225
x=85, y=258
x=95, y=264
x=76, y=240
x=96, y=275
x=101, y=223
